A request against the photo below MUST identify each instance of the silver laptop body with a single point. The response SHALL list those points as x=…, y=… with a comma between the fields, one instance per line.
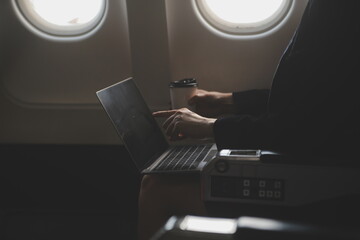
x=143, y=137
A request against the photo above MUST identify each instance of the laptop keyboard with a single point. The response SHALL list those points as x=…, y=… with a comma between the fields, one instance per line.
x=184, y=158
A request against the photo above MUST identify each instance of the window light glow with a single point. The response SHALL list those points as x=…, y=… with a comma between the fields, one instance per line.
x=243, y=16
x=67, y=12
x=61, y=17
x=244, y=11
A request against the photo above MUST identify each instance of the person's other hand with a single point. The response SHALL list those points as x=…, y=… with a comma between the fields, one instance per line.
x=212, y=104
x=183, y=123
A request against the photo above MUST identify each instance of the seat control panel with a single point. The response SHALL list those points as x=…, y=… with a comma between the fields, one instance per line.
x=264, y=177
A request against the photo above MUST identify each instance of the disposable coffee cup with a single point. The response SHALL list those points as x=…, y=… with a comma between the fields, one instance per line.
x=181, y=91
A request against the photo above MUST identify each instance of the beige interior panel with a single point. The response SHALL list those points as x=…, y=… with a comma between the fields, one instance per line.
x=220, y=61
x=47, y=87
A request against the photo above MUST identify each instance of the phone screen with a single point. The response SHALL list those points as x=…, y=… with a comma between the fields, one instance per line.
x=243, y=152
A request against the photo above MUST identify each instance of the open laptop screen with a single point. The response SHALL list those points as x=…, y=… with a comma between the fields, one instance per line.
x=133, y=121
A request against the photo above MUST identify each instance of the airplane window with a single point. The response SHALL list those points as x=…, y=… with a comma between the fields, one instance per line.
x=63, y=17
x=243, y=16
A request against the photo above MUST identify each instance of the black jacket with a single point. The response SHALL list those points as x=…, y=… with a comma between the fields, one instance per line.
x=313, y=104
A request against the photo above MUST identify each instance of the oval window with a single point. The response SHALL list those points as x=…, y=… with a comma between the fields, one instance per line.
x=63, y=17
x=243, y=16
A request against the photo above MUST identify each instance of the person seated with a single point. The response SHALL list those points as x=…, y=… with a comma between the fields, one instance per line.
x=311, y=108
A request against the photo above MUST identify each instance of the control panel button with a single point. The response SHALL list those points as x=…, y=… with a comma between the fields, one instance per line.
x=269, y=194
x=262, y=193
x=277, y=184
x=246, y=192
x=247, y=188
x=277, y=194
x=246, y=182
x=262, y=183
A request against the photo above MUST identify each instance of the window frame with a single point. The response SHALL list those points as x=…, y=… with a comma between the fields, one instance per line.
x=242, y=29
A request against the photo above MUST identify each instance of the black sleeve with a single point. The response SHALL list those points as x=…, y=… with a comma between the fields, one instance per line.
x=290, y=132
x=252, y=102
x=328, y=127
x=313, y=106
x=249, y=132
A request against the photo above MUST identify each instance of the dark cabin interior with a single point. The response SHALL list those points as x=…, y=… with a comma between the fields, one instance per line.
x=67, y=192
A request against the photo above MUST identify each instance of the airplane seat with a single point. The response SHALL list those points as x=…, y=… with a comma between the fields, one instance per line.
x=284, y=187
x=336, y=212
x=249, y=228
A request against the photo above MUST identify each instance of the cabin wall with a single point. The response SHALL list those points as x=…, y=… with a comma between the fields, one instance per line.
x=47, y=88
x=223, y=62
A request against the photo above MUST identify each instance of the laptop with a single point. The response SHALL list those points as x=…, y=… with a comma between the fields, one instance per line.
x=144, y=138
